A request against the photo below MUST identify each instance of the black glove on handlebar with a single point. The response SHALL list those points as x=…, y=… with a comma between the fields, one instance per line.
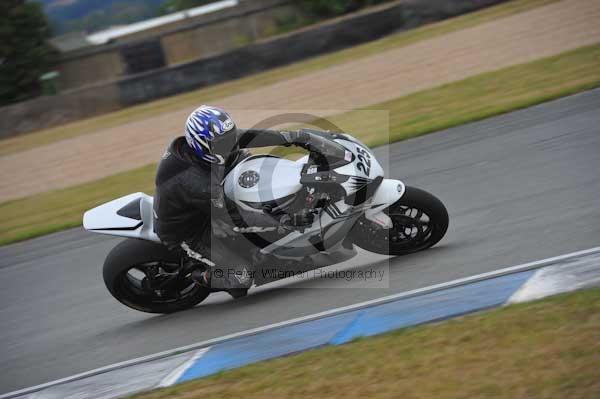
x=324, y=150
x=299, y=138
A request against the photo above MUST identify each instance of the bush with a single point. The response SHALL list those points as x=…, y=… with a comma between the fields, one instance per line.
x=332, y=8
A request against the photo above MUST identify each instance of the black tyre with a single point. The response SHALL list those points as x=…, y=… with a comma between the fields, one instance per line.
x=420, y=221
x=145, y=276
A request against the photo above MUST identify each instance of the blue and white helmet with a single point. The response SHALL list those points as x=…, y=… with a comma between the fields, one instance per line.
x=212, y=134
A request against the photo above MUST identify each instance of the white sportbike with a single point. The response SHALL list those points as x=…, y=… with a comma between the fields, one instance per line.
x=311, y=212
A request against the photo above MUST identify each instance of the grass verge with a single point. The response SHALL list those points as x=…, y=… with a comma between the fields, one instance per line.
x=543, y=349
x=212, y=93
x=468, y=100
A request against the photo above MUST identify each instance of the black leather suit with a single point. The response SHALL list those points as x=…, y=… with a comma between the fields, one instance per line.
x=189, y=195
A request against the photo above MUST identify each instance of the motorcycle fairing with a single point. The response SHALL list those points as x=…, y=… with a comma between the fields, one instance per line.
x=362, y=170
x=388, y=192
x=128, y=216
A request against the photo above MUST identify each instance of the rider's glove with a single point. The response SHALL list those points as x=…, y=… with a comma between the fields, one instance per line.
x=217, y=196
x=299, y=138
x=221, y=229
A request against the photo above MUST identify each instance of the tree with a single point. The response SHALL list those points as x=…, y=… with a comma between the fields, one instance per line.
x=24, y=52
x=331, y=8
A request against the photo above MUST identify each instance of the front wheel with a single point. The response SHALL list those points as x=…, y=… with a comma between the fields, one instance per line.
x=419, y=219
x=145, y=276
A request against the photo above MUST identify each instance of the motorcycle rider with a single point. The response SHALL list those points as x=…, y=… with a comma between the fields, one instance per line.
x=189, y=206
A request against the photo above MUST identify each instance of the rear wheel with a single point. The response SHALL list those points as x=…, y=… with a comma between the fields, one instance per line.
x=145, y=276
x=419, y=219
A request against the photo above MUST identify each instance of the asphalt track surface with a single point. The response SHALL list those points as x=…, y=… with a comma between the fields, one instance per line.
x=518, y=187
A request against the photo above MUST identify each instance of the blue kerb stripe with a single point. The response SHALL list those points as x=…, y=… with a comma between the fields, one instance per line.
x=342, y=335
x=267, y=345
x=342, y=328
x=434, y=306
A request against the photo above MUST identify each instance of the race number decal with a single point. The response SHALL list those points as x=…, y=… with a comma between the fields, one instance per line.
x=364, y=161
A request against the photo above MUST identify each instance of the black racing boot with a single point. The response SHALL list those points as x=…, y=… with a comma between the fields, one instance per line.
x=201, y=277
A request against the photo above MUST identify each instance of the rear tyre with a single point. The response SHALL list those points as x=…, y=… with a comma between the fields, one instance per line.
x=144, y=276
x=420, y=220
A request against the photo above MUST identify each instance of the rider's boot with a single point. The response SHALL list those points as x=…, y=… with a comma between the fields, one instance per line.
x=203, y=277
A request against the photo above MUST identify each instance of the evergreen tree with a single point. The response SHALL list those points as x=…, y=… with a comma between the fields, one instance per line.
x=24, y=52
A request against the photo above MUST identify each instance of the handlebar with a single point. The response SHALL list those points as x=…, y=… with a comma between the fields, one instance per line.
x=324, y=149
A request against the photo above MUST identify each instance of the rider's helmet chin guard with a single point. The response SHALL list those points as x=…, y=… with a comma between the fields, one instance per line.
x=212, y=134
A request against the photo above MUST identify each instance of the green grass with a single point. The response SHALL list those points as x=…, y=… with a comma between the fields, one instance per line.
x=61, y=209
x=193, y=98
x=424, y=112
x=482, y=96
x=543, y=349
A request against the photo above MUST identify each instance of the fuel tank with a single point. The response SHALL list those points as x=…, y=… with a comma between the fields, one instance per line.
x=263, y=182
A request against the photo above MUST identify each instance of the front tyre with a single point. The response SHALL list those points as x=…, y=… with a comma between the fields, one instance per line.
x=419, y=219
x=145, y=276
